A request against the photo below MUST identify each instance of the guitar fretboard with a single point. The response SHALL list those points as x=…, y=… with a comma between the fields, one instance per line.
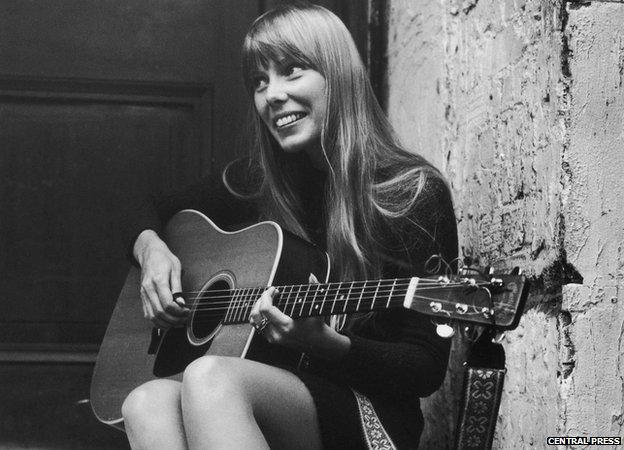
x=308, y=300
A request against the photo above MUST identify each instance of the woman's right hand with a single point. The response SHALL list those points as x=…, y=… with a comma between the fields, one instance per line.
x=160, y=276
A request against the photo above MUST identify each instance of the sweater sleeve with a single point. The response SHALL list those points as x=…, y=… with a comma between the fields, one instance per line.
x=208, y=195
x=397, y=352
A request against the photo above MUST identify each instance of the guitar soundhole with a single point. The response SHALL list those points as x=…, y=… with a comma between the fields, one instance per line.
x=209, y=309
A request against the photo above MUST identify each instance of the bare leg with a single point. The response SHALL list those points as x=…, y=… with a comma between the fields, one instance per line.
x=233, y=403
x=153, y=418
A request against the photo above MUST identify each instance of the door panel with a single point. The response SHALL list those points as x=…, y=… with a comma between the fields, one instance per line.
x=71, y=152
x=101, y=100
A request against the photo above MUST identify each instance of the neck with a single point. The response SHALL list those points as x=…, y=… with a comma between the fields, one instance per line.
x=324, y=299
x=317, y=157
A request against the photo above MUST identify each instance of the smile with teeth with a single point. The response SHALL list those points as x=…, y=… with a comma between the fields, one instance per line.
x=287, y=120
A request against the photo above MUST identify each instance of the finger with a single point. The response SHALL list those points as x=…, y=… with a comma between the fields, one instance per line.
x=176, y=287
x=171, y=309
x=157, y=309
x=259, y=308
x=147, y=308
x=254, y=315
x=265, y=299
x=271, y=312
x=312, y=279
x=161, y=323
x=149, y=312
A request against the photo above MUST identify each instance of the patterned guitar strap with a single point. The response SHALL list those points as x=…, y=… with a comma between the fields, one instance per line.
x=483, y=385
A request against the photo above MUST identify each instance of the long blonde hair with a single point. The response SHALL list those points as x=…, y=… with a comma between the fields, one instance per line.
x=372, y=179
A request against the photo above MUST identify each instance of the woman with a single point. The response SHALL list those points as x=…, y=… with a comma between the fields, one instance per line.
x=327, y=167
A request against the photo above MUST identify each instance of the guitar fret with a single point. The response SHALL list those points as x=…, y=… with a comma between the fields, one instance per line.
x=231, y=306
x=280, y=300
x=335, y=296
x=375, y=295
x=234, y=304
x=239, y=305
x=368, y=297
x=234, y=314
x=303, y=299
x=289, y=300
x=357, y=308
x=323, y=288
x=296, y=300
x=254, y=295
x=246, y=300
x=284, y=297
x=316, y=287
x=342, y=299
x=348, y=295
x=390, y=295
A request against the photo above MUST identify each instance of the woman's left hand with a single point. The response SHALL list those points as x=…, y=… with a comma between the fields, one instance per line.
x=281, y=329
x=311, y=335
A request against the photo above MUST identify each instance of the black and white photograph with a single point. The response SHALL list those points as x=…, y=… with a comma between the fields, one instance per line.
x=284, y=224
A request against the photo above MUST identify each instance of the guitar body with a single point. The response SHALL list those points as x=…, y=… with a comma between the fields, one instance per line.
x=133, y=353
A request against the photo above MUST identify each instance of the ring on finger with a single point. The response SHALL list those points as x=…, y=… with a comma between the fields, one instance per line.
x=262, y=325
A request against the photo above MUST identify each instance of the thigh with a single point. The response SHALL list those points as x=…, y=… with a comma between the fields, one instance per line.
x=152, y=416
x=281, y=404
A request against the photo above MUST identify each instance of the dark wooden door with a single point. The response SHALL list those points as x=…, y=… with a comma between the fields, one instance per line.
x=100, y=101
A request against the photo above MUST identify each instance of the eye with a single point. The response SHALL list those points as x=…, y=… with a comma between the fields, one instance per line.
x=258, y=82
x=294, y=69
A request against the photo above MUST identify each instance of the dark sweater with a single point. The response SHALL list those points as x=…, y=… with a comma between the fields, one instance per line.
x=395, y=356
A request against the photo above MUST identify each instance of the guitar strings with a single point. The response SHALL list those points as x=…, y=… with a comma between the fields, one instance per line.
x=238, y=306
x=340, y=284
x=332, y=288
x=366, y=292
x=365, y=301
x=211, y=316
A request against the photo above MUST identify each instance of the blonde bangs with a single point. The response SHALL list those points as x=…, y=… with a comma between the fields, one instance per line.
x=277, y=38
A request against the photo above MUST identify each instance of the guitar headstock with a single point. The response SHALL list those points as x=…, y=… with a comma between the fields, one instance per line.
x=492, y=300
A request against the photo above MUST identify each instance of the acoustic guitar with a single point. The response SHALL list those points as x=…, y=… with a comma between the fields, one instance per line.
x=224, y=273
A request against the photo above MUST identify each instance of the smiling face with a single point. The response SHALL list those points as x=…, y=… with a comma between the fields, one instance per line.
x=292, y=102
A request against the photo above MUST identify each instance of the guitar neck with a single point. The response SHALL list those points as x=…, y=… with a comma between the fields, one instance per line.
x=324, y=299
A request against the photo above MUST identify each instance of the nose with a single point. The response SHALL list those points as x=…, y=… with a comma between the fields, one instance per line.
x=276, y=92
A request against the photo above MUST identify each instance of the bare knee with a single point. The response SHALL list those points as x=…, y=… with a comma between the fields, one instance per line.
x=213, y=378
x=149, y=398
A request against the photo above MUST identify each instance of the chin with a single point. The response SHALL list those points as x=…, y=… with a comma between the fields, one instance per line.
x=294, y=146
x=293, y=149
